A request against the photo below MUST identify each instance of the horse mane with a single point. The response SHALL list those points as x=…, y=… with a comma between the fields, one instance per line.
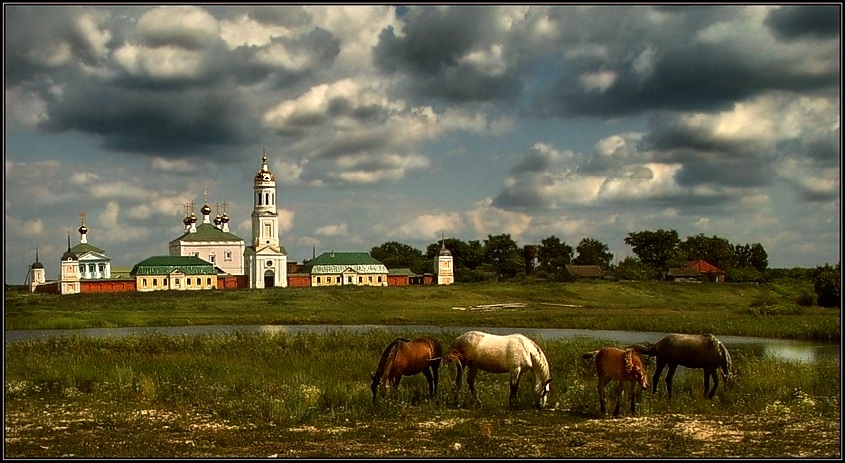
x=538, y=358
x=387, y=358
x=629, y=361
x=726, y=356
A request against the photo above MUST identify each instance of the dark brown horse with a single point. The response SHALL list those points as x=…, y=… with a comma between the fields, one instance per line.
x=407, y=358
x=623, y=366
x=702, y=351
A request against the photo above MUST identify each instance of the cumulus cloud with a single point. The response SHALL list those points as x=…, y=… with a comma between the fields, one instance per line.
x=485, y=218
x=428, y=226
x=333, y=230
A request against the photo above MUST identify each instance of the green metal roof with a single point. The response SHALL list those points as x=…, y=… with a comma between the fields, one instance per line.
x=208, y=232
x=82, y=248
x=344, y=258
x=165, y=265
x=337, y=262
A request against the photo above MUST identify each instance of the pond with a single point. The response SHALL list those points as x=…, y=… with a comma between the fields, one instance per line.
x=803, y=351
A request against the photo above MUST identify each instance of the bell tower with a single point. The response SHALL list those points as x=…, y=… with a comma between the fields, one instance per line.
x=266, y=259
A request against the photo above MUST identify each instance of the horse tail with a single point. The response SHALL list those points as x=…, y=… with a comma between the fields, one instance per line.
x=386, y=360
x=644, y=348
x=727, y=363
x=454, y=356
x=589, y=355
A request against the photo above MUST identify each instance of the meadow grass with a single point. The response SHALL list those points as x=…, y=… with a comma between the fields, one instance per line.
x=772, y=310
x=258, y=383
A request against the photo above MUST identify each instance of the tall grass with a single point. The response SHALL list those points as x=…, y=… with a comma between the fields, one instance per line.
x=284, y=380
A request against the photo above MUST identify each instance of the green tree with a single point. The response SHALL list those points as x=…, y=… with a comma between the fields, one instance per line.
x=655, y=249
x=750, y=255
x=631, y=268
x=593, y=252
x=399, y=255
x=553, y=255
x=502, y=252
x=715, y=250
x=827, y=285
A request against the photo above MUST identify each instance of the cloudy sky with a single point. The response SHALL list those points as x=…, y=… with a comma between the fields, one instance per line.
x=405, y=124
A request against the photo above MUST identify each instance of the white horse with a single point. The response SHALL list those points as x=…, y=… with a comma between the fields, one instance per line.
x=514, y=354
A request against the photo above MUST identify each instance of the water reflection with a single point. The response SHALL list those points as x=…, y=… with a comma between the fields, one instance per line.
x=802, y=351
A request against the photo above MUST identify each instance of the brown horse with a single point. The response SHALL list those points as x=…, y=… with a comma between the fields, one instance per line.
x=702, y=351
x=407, y=358
x=623, y=366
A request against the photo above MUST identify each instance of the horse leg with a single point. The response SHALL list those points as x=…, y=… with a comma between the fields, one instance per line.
x=602, y=382
x=656, y=378
x=473, y=371
x=619, y=389
x=458, y=377
x=715, y=375
x=515, y=375
x=430, y=380
x=669, y=376
x=633, y=397
x=435, y=373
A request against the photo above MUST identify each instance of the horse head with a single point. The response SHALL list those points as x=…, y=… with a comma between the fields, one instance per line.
x=634, y=368
x=541, y=394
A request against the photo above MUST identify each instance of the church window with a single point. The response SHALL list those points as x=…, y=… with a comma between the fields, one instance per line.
x=208, y=281
x=212, y=257
x=228, y=255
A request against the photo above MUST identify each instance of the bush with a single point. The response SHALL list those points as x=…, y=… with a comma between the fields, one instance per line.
x=806, y=299
x=827, y=286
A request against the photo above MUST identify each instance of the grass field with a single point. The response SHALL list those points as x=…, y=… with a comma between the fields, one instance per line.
x=770, y=310
x=307, y=395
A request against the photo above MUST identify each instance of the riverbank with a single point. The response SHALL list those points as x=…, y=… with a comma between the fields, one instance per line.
x=769, y=311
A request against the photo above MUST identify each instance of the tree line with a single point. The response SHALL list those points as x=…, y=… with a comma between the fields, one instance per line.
x=500, y=258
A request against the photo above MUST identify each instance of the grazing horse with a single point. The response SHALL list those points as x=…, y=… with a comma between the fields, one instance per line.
x=623, y=366
x=407, y=358
x=702, y=351
x=514, y=354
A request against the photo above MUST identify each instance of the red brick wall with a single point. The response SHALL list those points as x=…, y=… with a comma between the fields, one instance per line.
x=397, y=280
x=106, y=286
x=232, y=282
x=299, y=281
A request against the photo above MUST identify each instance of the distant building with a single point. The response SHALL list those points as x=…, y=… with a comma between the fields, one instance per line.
x=93, y=261
x=69, y=276
x=585, y=271
x=36, y=275
x=696, y=270
x=174, y=272
x=445, y=270
x=212, y=243
x=346, y=268
x=265, y=259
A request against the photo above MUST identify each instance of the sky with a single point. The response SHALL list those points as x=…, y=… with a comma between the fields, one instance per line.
x=408, y=124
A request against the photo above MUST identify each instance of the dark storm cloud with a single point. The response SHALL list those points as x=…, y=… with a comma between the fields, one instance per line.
x=153, y=122
x=29, y=46
x=693, y=78
x=320, y=45
x=813, y=21
x=740, y=173
x=429, y=50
